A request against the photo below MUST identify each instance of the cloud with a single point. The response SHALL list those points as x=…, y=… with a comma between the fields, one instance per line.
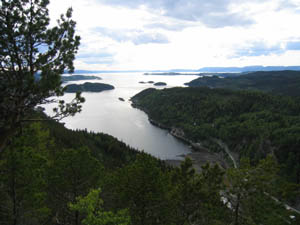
x=146, y=38
x=288, y=4
x=258, y=48
x=98, y=61
x=98, y=55
x=102, y=56
x=167, y=26
x=294, y=45
x=136, y=36
x=184, y=33
x=212, y=13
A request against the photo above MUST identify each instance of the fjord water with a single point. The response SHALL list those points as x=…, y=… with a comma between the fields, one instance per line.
x=105, y=112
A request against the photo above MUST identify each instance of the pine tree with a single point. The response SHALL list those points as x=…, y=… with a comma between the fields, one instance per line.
x=23, y=189
x=32, y=59
x=91, y=206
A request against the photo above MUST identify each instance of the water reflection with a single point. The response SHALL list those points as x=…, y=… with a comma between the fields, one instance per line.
x=104, y=112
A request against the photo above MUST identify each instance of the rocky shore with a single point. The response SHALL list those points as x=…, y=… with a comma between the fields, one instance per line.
x=200, y=155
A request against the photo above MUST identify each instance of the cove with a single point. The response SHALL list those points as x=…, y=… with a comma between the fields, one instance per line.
x=104, y=112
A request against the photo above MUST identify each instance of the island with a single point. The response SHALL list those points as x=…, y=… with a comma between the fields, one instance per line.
x=122, y=99
x=160, y=84
x=150, y=82
x=88, y=87
x=142, y=82
x=78, y=77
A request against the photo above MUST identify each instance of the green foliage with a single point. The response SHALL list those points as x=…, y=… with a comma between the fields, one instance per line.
x=250, y=194
x=196, y=197
x=108, y=150
x=253, y=124
x=143, y=188
x=91, y=206
x=155, y=194
x=48, y=169
x=71, y=174
x=23, y=188
x=47, y=166
x=28, y=47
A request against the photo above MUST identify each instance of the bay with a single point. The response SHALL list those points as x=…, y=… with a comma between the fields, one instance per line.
x=105, y=112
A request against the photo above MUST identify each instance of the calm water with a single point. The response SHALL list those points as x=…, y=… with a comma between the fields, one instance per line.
x=104, y=112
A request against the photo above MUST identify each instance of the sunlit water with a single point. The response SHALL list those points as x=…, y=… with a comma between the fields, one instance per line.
x=104, y=112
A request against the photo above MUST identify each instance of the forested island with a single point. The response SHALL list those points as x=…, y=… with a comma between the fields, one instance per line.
x=88, y=87
x=78, y=77
x=148, y=82
x=160, y=84
x=277, y=82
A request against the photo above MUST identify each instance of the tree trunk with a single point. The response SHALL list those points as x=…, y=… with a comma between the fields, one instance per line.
x=236, y=214
x=5, y=135
x=76, y=217
x=14, y=198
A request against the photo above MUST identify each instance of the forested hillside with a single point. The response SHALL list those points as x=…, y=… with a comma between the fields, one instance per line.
x=52, y=175
x=276, y=82
x=253, y=124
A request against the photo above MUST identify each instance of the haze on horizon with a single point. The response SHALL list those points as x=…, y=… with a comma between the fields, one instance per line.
x=185, y=34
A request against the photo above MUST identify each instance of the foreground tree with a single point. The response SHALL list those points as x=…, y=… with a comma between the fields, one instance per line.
x=72, y=173
x=197, y=196
x=91, y=206
x=23, y=186
x=32, y=59
x=250, y=194
x=143, y=187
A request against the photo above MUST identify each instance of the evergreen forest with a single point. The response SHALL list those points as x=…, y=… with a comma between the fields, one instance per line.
x=50, y=175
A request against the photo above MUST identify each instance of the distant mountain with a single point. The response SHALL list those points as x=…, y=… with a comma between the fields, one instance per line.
x=132, y=71
x=204, y=70
x=248, y=69
x=105, y=71
x=78, y=77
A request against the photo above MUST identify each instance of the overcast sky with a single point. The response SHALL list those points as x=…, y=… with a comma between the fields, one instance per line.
x=184, y=34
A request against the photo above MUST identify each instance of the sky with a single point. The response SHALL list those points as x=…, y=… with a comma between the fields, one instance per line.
x=183, y=34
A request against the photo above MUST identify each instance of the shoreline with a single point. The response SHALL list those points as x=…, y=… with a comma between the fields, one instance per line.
x=199, y=158
x=199, y=155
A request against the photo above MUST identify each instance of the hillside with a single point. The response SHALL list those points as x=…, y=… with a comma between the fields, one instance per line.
x=275, y=82
x=251, y=123
x=50, y=173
